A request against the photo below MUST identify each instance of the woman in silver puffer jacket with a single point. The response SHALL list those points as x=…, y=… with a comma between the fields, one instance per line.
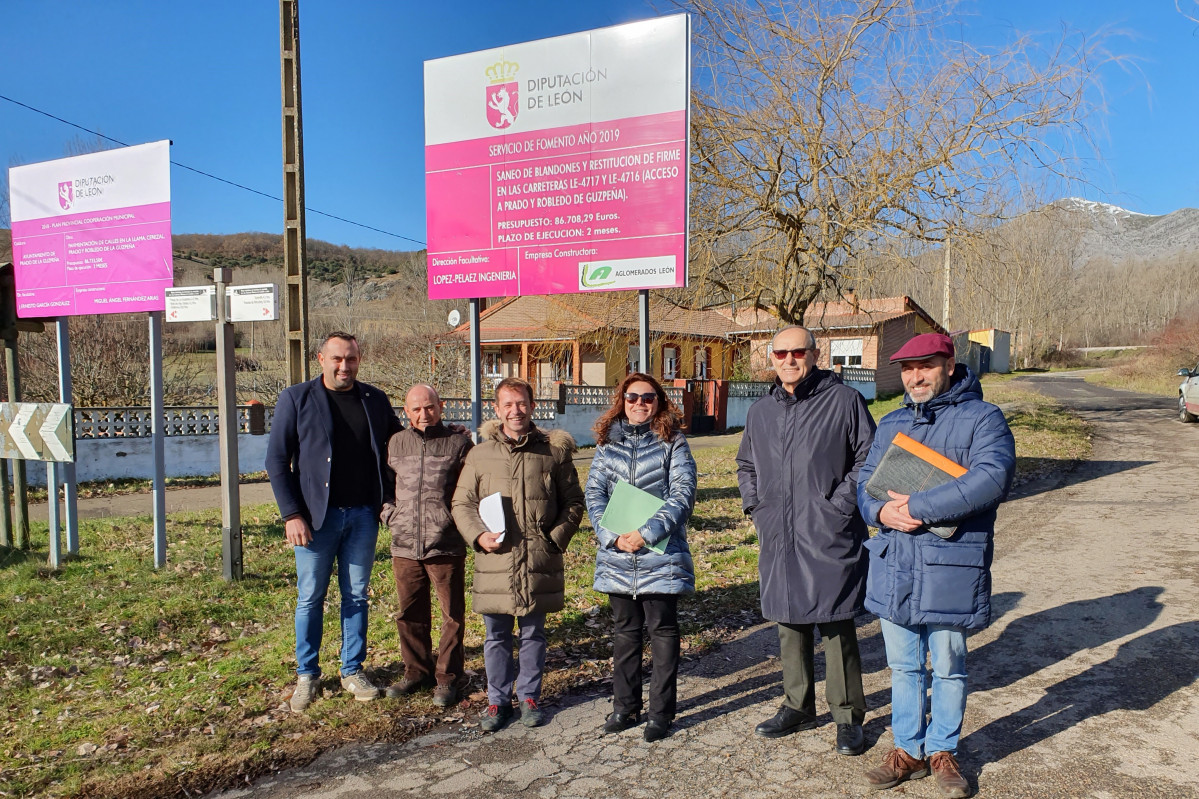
x=638, y=441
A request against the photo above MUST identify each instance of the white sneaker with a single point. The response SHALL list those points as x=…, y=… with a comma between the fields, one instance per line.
x=308, y=688
x=362, y=688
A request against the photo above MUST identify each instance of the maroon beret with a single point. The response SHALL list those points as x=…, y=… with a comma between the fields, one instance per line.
x=925, y=345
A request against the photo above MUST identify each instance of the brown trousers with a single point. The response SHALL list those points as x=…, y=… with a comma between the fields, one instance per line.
x=447, y=575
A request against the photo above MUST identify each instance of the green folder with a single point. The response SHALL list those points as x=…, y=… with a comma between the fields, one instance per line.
x=629, y=508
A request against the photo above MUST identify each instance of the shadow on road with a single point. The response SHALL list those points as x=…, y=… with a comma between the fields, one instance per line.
x=1004, y=603
x=1143, y=672
x=1041, y=639
x=1065, y=473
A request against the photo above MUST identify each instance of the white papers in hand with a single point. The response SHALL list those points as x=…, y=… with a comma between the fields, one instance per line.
x=491, y=511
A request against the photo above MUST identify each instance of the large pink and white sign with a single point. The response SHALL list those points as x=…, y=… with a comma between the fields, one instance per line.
x=92, y=234
x=560, y=165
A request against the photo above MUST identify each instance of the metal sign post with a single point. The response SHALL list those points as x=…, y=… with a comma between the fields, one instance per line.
x=6, y=539
x=158, y=440
x=54, y=531
x=67, y=470
x=20, y=486
x=476, y=367
x=226, y=383
x=643, y=335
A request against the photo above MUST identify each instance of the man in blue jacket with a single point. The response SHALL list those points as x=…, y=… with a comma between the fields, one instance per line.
x=927, y=590
x=325, y=458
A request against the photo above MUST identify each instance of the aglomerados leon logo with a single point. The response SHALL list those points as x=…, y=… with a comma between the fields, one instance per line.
x=502, y=94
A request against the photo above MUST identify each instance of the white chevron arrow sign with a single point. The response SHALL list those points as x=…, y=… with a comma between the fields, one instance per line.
x=57, y=435
x=23, y=430
x=39, y=431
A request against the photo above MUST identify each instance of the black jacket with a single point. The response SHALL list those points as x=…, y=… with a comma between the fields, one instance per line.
x=797, y=470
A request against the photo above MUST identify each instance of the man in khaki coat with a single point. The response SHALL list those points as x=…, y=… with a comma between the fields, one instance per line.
x=519, y=574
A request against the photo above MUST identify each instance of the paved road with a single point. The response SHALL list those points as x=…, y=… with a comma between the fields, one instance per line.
x=1084, y=687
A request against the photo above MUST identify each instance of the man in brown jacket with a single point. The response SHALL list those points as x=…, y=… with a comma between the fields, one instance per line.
x=424, y=462
x=519, y=574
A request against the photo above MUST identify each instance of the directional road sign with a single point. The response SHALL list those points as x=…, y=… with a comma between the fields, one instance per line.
x=37, y=431
x=191, y=304
x=256, y=303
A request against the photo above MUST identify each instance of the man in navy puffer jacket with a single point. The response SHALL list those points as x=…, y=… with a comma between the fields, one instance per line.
x=929, y=591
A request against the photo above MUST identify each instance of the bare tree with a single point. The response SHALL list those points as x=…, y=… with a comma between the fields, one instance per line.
x=110, y=365
x=822, y=128
x=5, y=216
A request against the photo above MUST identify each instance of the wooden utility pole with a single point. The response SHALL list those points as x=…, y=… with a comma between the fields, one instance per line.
x=295, y=259
x=226, y=383
x=945, y=302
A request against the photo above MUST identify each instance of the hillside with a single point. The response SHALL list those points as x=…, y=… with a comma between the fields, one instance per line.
x=326, y=261
x=1114, y=234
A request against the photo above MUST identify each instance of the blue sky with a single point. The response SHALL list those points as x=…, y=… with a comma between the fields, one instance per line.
x=206, y=75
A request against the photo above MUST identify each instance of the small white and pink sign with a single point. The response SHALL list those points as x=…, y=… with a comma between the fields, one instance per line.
x=92, y=234
x=559, y=166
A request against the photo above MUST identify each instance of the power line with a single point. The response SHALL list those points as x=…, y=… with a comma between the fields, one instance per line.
x=214, y=177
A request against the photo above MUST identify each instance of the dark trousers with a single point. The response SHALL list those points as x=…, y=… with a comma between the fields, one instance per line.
x=447, y=575
x=659, y=614
x=842, y=669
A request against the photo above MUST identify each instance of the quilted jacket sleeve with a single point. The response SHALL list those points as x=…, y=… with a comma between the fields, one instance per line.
x=570, y=502
x=990, y=470
x=466, y=501
x=599, y=488
x=680, y=497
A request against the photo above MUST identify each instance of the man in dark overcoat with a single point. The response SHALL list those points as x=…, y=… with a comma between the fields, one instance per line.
x=797, y=469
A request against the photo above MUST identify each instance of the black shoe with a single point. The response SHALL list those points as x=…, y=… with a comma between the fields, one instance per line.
x=785, y=722
x=656, y=729
x=850, y=739
x=619, y=722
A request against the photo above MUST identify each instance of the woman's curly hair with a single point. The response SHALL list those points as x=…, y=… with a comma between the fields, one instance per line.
x=665, y=423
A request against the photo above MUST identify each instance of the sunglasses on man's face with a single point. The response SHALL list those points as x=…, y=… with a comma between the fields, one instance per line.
x=645, y=399
x=797, y=353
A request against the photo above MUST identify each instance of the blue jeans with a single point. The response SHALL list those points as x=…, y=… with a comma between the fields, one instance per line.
x=348, y=535
x=497, y=657
x=907, y=650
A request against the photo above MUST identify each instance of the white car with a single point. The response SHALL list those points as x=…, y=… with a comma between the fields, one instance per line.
x=1188, y=395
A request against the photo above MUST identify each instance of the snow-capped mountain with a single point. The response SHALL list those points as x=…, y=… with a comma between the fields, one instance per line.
x=1117, y=234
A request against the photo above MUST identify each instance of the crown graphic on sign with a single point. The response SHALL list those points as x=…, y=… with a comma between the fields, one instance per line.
x=502, y=71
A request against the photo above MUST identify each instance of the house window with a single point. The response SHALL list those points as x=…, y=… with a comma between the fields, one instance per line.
x=634, y=364
x=493, y=364
x=670, y=363
x=703, y=363
x=845, y=352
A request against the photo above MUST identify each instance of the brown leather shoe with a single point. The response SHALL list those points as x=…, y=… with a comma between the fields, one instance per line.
x=950, y=781
x=897, y=766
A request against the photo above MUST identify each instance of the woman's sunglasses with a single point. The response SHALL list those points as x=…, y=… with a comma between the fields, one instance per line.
x=646, y=399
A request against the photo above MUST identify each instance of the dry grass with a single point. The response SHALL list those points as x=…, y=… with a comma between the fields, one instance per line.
x=1150, y=373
